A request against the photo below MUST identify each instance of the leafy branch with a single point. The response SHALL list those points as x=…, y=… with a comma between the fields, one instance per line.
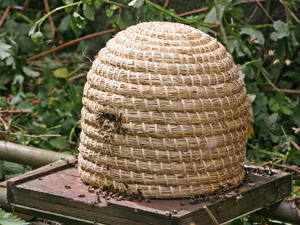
x=37, y=34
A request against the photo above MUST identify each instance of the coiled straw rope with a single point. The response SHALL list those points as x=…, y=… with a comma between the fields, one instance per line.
x=165, y=114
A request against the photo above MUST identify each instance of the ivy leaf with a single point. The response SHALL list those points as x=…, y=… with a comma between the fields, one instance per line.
x=97, y=4
x=64, y=23
x=274, y=137
x=237, y=12
x=295, y=116
x=282, y=30
x=253, y=33
x=109, y=12
x=89, y=11
x=136, y=3
x=296, y=159
x=286, y=110
x=273, y=105
x=30, y=72
x=212, y=17
x=5, y=51
x=77, y=23
x=280, y=96
x=67, y=2
x=58, y=142
x=272, y=118
x=61, y=73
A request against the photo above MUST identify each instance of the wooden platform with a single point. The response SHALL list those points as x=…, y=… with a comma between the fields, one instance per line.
x=54, y=192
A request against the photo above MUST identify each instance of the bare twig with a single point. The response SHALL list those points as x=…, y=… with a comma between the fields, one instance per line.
x=266, y=12
x=295, y=145
x=25, y=6
x=7, y=131
x=33, y=136
x=50, y=17
x=287, y=10
x=266, y=72
x=74, y=71
x=287, y=167
x=166, y=3
x=278, y=74
x=253, y=13
x=71, y=43
x=286, y=91
x=211, y=215
x=77, y=76
x=193, y=11
x=13, y=111
x=5, y=14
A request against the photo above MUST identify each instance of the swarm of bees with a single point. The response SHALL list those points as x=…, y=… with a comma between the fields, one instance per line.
x=111, y=123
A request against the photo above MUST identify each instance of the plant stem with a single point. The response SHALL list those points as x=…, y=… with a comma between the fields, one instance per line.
x=173, y=15
x=264, y=73
x=117, y=4
x=223, y=33
x=267, y=152
x=40, y=21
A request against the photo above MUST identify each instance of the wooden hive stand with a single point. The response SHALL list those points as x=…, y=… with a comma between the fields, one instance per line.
x=56, y=192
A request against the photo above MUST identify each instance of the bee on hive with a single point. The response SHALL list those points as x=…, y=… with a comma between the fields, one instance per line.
x=166, y=108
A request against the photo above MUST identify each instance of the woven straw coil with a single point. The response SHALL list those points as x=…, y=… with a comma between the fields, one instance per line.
x=165, y=114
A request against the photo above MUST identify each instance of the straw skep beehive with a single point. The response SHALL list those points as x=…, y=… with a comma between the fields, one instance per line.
x=164, y=115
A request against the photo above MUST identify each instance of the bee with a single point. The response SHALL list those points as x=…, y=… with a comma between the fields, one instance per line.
x=67, y=186
x=107, y=198
x=288, y=62
x=140, y=199
x=118, y=117
x=98, y=199
x=139, y=191
x=148, y=200
x=271, y=52
x=182, y=203
x=193, y=201
x=276, y=61
x=120, y=198
x=107, y=138
x=254, y=39
x=106, y=123
x=92, y=203
x=107, y=166
x=239, y=197
x=81, y=195
x=126, y=185
x=219, y=209
x=49, y=41
x=91, y=189
x=174, y=211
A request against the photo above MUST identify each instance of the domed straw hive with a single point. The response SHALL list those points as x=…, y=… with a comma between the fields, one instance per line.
x=165, y=114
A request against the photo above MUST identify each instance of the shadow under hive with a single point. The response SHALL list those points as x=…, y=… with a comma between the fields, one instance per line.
x=165, y=114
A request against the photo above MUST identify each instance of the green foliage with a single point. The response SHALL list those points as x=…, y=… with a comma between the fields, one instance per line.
x=49, y=92
x=10, y=219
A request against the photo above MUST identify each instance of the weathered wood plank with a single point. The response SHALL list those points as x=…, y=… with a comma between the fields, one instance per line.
x=45, y=189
